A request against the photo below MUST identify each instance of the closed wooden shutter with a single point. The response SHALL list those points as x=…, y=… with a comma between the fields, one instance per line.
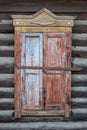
x=43, y=88
x=55, y=81
x=31, y=79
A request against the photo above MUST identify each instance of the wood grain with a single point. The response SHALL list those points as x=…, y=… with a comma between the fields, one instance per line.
x=17, y=80
x=7, y=67
x=32, y=55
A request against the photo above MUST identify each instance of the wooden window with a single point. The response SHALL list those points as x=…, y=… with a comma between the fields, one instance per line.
x=42, y=65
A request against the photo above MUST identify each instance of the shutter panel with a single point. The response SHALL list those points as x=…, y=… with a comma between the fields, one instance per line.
x=54, y=80
x=31, y=80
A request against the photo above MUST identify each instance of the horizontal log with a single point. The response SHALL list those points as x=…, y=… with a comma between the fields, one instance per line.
x=6, y=100
x=81, y=49
x=79, y=54
x=79, y=78
x=35, y=6
x=6, y=48
x=6, y=80
x=79, y=91
x=3, y=2
x=80, y=22
x=6, y=29
x=79, y=29
x=6, y=51
x=6, y=92
x=3, y=89
x=79, y=94
x=78, y=51
x=6, y=26
x=79, y=84
x=6, y=64
x=6, y=104
x=6, y=39
x=79, y=42
x=80, y=88
x=82, y=36
x=6, y=112
x=5, y=22
x=44, y=126
x=80, y=26
x=79, y=39
x=79, y=114
x=6, y=61
x=81, y=62
x=79, y=102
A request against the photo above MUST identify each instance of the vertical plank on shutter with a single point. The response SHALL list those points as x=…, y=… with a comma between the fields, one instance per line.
x=17, y=80
x=32, y=55
x=54, y=51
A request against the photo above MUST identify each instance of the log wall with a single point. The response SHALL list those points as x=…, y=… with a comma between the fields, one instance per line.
x=79, y=59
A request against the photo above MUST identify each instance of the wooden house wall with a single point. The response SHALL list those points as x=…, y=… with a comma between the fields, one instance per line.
x=79, y=58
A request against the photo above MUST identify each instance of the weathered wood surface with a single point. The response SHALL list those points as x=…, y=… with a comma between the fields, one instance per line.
x=51, y=79
x=17, y=76
x=45, y=126
x=54, y=6
x=6, y=51
x=8, y=115
x=6, y=80
x=31, y=53
x=6, y=92
x=31, y=89
x=79, y=88
x=6, y=64
x=6, y=38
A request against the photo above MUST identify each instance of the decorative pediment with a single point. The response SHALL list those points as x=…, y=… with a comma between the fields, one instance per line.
x=44, y=17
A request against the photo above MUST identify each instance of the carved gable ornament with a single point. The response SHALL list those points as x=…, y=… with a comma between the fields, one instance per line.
x=42, y=18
